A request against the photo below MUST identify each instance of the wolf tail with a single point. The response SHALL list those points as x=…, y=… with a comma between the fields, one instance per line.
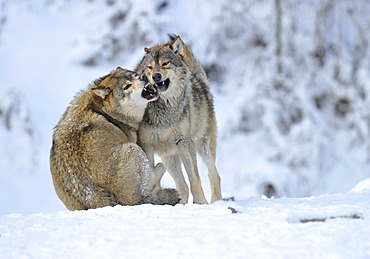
x=163, y=196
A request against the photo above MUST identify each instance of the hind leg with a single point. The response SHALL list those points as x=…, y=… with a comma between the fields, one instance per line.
x=129, y=176
x=207, y=151
x=98, y=198
x=188, y=155
x=135, y=178
x=173, y=165
x=87, y=195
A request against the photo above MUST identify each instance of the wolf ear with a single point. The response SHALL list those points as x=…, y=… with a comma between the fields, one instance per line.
x=177, y=45
x=147, y=50
x=119, y=69
x=101, y=92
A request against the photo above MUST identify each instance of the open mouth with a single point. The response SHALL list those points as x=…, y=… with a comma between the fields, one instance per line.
x=149, y=92
x=163, y=85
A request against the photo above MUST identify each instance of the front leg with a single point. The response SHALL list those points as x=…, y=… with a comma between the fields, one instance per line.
x=188, y=157
x=156, y=176
x=149, y=151
x=149, y=177
x=173, y=165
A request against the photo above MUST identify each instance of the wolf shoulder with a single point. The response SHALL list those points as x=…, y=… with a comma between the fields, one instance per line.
x=81, y=129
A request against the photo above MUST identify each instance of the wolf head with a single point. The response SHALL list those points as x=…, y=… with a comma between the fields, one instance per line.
x=123, y=91
x=163, y=65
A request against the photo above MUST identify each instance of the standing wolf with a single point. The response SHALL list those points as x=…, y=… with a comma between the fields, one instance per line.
x=182, y=120
x=94, y=160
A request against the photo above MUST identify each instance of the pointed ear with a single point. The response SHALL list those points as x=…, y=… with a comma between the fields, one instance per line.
x=101, y=92
x=119, y=69
x=147, y=50
x=177, y=45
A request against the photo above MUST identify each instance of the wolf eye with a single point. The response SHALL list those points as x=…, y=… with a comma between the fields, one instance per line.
x=127, y=86
x=165, y=63
x=150, y=67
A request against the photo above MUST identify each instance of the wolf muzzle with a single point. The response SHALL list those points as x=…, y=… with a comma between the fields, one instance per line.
x=159, y=84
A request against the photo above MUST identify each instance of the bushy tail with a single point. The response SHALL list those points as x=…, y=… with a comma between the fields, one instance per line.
x=163, y=196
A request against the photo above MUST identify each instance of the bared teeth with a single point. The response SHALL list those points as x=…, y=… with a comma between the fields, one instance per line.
x=160, y=83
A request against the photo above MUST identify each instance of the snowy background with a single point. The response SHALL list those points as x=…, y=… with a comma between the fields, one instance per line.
x=290, y=78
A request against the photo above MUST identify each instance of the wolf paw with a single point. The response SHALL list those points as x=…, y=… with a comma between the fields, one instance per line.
x=168, y=196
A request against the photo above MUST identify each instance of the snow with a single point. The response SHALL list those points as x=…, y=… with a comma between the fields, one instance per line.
x=251, y=228
x=318, y=165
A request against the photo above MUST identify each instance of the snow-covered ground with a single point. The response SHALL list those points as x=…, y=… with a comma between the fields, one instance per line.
x=329, y=226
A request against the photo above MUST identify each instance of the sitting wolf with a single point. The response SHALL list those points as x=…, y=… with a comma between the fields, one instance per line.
x=94, y=158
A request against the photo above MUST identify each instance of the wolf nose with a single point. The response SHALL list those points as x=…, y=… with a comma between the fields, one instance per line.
x=157, y=77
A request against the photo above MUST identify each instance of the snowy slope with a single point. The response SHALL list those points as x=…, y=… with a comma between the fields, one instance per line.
x=330, y=226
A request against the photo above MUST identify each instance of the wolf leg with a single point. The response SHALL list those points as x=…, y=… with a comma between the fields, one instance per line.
x=155, y=194
x=188, y=156
x=159, y=171
x=149, y=153
x=155, y=177
x=150, y=180
x=98, y=198
x=163, y=196
x=88, y=196
x=132, y=175
x=208, y=155
x=173, y=165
